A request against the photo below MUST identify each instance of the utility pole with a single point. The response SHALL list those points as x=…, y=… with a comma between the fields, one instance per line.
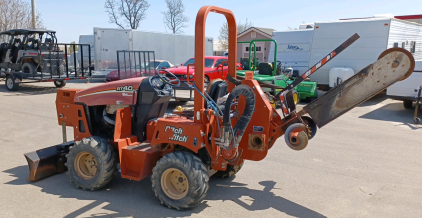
x=34, y=18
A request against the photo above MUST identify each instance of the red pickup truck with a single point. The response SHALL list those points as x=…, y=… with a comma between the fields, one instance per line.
x=214, y=67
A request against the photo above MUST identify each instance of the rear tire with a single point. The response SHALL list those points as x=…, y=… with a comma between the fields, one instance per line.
x=407, y=104
x=59, y=83
x=11, y=84
x=180, y=180
x=91, y=163
x=29, y=68
x=229, y=172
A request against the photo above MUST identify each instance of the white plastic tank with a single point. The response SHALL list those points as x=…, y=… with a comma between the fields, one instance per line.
x=339, y=74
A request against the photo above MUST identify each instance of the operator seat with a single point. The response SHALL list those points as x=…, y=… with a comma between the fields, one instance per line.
x=245, y=63
x=3, y=50
x=265, y=68
x=15, y=50
x=217, y=89
x=148, y=106
x=47, y=44
x=30, y=44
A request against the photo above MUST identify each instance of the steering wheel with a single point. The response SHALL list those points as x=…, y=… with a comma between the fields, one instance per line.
x=167, y=80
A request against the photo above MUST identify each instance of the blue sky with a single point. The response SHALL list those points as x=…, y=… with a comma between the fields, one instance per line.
x=72, y=18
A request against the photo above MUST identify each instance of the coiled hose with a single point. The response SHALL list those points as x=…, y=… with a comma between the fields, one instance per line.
x=246, y=116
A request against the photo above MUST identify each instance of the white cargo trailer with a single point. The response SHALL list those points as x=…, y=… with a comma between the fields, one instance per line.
x=87, y=39
x=376, y=35
x=299, y=48
x=405, y=90
x=293, y=48
x=175, y=48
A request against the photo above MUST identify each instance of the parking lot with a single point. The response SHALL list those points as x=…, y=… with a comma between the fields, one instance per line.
x=367, y=163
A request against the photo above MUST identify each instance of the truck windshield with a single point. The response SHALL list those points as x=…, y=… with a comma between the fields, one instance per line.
x=208, y=62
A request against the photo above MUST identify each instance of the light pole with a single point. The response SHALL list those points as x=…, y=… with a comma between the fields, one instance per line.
x=34, y=18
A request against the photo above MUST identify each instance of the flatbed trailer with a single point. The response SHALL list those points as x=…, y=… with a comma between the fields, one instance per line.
x=59, y=70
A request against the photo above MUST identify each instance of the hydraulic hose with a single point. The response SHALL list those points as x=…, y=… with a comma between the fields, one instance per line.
x=246, y=116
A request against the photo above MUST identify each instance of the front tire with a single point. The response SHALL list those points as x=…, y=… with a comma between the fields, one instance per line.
x=59, y=83
x=11, y=83
x=180, y=180
x=91, y=163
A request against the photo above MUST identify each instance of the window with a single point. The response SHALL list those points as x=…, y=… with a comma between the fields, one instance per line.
x=218, y=62
x=257, y=48
x=412, y=47
x=163, y=64
x=208, y=62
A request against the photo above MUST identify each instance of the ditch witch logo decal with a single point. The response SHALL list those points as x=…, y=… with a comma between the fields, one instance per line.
x=177, y=134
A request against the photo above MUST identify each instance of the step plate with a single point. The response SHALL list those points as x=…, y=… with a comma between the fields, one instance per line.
x=394, y=64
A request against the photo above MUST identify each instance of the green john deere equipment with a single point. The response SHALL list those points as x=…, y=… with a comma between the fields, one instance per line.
x=273, y=73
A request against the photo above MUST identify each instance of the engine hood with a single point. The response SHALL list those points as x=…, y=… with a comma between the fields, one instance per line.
x=118, y=92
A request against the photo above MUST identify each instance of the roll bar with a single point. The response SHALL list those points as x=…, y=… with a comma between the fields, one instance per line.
x=200, y=52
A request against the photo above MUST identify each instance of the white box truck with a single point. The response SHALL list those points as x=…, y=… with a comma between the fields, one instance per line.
x=175, y=48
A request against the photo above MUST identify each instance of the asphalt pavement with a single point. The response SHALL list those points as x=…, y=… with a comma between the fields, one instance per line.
x=367, y=163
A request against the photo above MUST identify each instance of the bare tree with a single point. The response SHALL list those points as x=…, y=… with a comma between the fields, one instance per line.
x=174, y=18
x=126, y=13
x=224, y=33
x=16, y=14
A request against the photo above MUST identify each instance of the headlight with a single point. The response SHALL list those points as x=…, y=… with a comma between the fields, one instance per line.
x=190, y=76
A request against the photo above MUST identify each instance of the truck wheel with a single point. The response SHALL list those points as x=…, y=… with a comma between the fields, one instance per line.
x=91, y=163
x=11, y=84
x=59, y=83
x=230, y=171
x=29, y=68
x=407, y=104
x=180, y=180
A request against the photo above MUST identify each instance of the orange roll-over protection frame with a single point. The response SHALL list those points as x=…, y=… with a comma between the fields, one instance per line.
x=200, y=52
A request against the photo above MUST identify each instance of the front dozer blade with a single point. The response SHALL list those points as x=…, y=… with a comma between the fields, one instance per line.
x=47, y=161
x=393, y=65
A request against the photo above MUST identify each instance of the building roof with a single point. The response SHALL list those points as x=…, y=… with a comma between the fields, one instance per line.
x=26, y=31
x=265, y=31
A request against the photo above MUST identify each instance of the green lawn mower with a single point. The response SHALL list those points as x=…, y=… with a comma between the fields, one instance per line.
x=274, y=73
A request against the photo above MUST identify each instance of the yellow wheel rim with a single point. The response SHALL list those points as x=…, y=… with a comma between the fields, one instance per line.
x=85, y=165
x=296, y=98
x=174, y=184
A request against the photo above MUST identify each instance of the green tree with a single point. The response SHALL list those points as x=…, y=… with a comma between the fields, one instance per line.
x=71, y=48
x=224, y=33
